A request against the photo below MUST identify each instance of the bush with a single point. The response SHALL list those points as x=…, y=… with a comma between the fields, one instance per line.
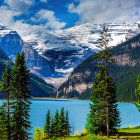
x=78, y=133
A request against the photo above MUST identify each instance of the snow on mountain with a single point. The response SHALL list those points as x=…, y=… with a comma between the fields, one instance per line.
x=77, y=37
x=11, y=43
x=69, y=47
x=62, y=50
x=4, y=30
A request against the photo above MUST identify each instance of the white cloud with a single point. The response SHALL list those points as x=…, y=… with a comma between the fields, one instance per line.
x=7, y=16
x=44, y=1
x=50, y=19
x=25, y=29
x=20, y=5
x=101, y=11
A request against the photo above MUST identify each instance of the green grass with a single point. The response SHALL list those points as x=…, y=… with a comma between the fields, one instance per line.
x=125, y=134
x=86, y=137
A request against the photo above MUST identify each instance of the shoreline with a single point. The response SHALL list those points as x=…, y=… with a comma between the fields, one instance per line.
x=73, y=99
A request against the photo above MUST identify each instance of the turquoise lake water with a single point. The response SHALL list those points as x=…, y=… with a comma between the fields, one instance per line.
x=78, y=110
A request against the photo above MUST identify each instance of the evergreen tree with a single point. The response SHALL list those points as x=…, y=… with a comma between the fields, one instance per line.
x=20, y=104
x=3, y=122
x=6, y=88
x=56, y=124
x=52, y=127
x=47, y=125
x=137, y=90
x=67, y=125
x=104, y=95
x=62, y=123
x=98, y=114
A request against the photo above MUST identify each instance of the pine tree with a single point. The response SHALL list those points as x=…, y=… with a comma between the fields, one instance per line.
x=98, y=114
x=62, y=123
x=56, y=124
x=47, y=125
x=3, y=122
x=21, y=95
x=103, y=91
x=6, y=88
x=52, y=127
x=67, y=125
x=137, y=90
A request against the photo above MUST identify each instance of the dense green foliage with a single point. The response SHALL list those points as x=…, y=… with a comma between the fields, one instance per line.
x=47, y=125
x=15, y=109
x=124, y=75
x=104, y=116
x=137, y=91
x=20, y=103
x=3, y=122
x=58, y=125
x=38, y=87
x=6, y=88
x=98, y=113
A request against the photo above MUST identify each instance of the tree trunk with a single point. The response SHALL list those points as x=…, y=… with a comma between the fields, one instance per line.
x=107, y=109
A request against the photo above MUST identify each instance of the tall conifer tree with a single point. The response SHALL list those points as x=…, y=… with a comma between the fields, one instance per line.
x=21, y=96
x=52, y=127
x=105, y=56
x=3, y=122
x=98, y=114
x=47, y=126
x=67, y=125
x=6, y=88
x=137, y=90
x=62, y=122
x=56, y=124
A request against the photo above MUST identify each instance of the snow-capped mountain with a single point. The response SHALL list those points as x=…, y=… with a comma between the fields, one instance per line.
x=11, y=43
x=54, y=54
x=75, y=38
x=69, y=47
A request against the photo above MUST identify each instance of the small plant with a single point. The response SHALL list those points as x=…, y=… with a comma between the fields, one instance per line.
x=78, y=133
x=84, y=132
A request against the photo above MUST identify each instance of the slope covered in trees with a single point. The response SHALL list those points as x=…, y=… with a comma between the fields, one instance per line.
x=124, y=73
x=39, y=87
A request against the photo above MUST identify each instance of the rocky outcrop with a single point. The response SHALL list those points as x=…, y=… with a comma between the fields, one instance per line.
x=124, y=70
x=67, y=48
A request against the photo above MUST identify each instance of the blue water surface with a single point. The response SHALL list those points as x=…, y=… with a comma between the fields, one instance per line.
x=78, y=110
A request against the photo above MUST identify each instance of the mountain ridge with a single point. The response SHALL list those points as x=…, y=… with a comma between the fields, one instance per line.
x=53, y=55
x=124, y=73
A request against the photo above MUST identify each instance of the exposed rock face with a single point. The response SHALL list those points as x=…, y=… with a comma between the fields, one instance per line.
x=11, y=43
x=36, y=63
x=124, y=59
x=67, y=48
x=127, y=60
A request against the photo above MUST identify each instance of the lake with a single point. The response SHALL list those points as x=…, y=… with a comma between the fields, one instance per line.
x=78, y=110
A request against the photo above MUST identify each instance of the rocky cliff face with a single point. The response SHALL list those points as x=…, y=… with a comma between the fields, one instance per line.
x=11, y=43
x=124, y=72
x=67, y=48
x=54, y=54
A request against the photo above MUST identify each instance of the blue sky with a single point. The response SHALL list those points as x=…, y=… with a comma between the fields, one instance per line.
x=26, y=16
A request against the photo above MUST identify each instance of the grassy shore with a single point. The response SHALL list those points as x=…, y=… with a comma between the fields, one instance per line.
x=124, y=134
